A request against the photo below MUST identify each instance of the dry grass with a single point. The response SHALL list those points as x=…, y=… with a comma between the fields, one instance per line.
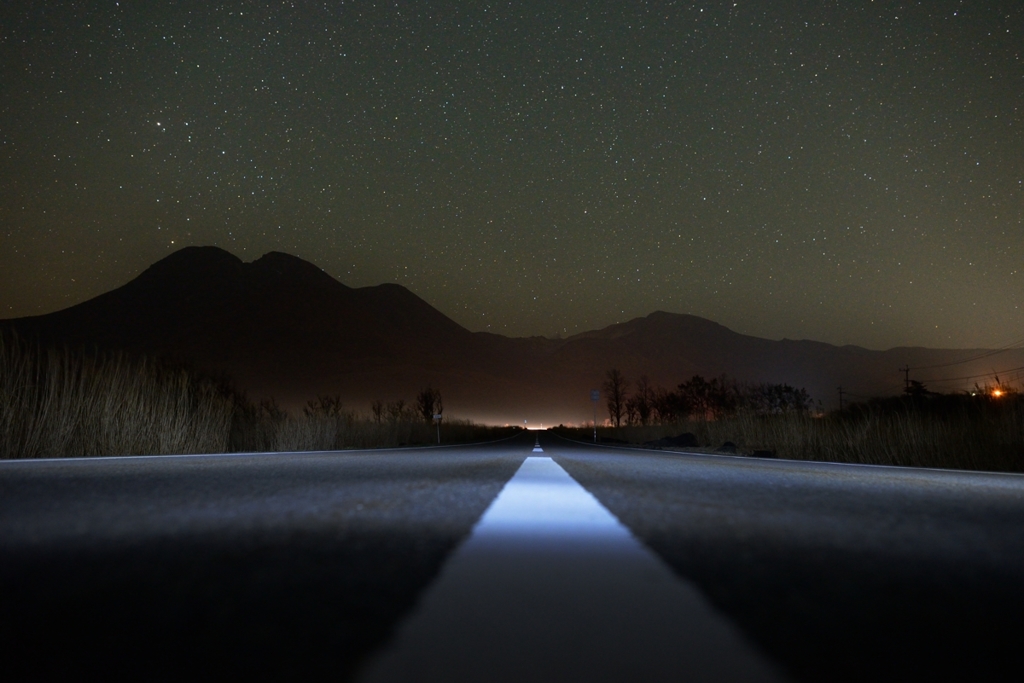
x=972, y=435
x=55, y=403
x=350, y=430
x=59, y=404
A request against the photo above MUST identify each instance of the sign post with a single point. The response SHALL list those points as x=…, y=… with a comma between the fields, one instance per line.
x=595, y=396
x=437, y=421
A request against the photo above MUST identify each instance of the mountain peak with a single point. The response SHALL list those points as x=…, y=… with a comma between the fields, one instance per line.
x=285, y=266
x=279, y=259
x=212, y=267
x=197, y=258
x=658, y=323
x=191, y=269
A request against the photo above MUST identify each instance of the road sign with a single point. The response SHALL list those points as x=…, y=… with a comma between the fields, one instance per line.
x=595, y=395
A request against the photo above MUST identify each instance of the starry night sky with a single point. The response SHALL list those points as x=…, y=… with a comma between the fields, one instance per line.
x=843, y=171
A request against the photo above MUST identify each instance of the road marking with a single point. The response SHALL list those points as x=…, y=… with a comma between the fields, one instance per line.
x=550, y=586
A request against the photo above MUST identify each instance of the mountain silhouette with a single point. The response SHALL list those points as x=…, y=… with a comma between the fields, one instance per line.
x=281, y=326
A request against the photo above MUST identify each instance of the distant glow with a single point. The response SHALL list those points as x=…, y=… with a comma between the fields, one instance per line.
x=997, y=393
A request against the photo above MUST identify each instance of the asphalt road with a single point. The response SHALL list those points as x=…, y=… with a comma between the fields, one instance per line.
x=322, y=566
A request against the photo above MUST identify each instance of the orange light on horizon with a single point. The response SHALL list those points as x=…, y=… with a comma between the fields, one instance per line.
x=997, y=393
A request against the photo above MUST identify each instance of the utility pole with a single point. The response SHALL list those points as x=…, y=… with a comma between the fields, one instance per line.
x=906, y=378
x=595, y=396
x=840, y=399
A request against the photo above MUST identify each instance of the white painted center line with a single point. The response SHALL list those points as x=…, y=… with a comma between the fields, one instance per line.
x=550, y=586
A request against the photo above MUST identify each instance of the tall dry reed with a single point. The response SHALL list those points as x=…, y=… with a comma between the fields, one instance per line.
x=323, y=433
x=55, y=403
x=973, y=435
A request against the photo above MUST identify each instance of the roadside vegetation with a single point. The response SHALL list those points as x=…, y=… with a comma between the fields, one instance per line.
x=982, y=429
x=55, y=403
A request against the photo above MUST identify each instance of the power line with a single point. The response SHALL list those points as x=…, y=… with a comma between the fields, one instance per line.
x=985, y=374
x=986, y=354
x=906, y=377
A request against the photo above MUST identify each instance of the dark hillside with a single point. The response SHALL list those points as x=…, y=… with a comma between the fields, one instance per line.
x=281, y=326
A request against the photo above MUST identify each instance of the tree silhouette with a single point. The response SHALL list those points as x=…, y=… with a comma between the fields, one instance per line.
x=775, y=399
x=708, y=400
x=668, y=406
x=397, y=410
x=429, y=403
x=643, y=399
x=615, y=387
x=323, y=406
x=378, y=410
x=632, y=414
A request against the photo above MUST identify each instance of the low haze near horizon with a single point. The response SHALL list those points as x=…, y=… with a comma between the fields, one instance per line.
x=846, y=172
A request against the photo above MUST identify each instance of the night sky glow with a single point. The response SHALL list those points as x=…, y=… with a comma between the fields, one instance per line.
x=844, y=171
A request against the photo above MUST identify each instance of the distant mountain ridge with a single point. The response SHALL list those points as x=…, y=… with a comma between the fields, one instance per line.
x=281, y=326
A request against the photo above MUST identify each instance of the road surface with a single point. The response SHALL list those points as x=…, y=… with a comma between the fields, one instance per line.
x=508, y=561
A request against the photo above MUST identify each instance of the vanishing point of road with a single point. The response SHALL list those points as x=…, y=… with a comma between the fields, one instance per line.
x=530, y=559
